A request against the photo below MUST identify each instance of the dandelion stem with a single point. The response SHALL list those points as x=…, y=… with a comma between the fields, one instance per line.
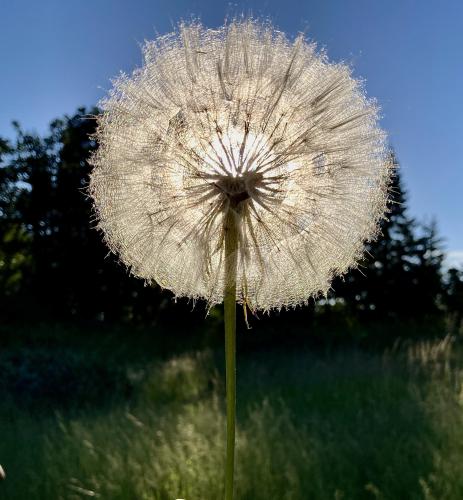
x=231, y=241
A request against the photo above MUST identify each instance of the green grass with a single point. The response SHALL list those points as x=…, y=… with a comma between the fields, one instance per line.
x=113, y=416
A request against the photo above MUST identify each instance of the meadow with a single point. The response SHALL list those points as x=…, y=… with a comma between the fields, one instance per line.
x=120, y=415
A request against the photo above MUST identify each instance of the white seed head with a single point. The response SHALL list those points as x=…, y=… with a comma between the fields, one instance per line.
x=239, y=121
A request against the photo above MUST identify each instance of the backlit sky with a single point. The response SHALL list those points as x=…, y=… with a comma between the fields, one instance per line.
x=60, y=54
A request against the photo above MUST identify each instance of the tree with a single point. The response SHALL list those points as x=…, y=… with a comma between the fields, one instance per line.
x=427, y=277
x=33, y=167
x=453, y=297
x=53, y=262
x=400, y=275
x=13, y=239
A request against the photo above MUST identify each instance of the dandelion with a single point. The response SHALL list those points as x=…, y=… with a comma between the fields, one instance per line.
x=239, y=166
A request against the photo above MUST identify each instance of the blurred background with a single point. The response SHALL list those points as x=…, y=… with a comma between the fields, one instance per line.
x=113, y=389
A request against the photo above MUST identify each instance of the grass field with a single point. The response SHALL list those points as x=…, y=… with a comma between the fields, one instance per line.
x=115, y=416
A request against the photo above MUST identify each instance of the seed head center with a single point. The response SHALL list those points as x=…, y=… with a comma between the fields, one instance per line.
x=241, y=187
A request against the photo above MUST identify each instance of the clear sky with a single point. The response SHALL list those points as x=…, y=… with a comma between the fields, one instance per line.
x=60, y=54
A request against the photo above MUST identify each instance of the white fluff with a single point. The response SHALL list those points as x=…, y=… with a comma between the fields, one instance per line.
x=239, y=119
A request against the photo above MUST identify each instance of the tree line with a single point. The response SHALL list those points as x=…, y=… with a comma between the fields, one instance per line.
x=54, y=266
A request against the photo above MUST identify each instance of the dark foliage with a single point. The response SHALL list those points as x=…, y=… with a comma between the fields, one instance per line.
x=54, y=265
x=453, y=297
x=400, y=276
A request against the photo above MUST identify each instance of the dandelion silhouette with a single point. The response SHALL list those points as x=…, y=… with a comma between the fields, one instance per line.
x=238, y=166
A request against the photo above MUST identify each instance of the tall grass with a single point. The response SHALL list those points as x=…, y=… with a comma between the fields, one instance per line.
x=350, y=425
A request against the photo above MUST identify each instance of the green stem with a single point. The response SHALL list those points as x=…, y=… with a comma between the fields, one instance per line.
x=231, y=243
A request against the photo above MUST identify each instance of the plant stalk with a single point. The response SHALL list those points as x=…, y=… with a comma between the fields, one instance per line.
x=231, y=245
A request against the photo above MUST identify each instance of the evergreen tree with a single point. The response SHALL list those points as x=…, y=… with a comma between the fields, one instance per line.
x=428, y=288
x=400, y=274
x=453, y=298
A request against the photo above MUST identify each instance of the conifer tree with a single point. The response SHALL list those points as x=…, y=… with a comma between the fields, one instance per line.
x=400, y=276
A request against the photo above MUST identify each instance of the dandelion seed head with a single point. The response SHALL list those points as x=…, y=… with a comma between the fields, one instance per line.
x=239, y=121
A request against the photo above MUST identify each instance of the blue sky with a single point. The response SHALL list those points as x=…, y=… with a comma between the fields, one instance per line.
x=58, y=55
